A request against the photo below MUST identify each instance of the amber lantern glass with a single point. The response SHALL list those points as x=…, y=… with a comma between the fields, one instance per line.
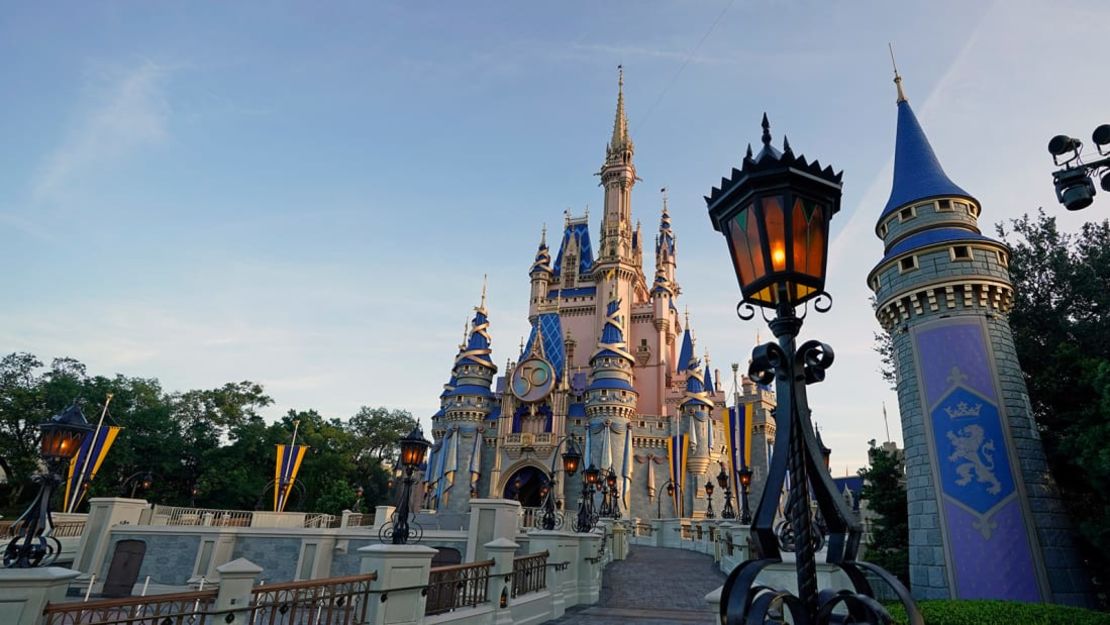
x=413, y=448
x=593, y=475
x=571, y=459
x=709, y=489
x=63, y=435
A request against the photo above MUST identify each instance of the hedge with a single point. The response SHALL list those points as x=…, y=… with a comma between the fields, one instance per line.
x=951, y=612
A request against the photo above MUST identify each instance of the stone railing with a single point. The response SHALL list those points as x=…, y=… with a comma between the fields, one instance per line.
x=205, y=517
x=529, y=573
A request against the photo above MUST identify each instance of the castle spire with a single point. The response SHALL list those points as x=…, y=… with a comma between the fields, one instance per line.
x=897, y=76
x=918, y=174
x=620, y=138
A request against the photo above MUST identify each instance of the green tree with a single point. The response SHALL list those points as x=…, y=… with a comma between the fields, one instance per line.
x=884, y=490
x=1061, y=326
x=379, y=431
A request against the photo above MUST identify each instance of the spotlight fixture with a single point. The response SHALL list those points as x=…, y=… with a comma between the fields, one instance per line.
x=1074, y=181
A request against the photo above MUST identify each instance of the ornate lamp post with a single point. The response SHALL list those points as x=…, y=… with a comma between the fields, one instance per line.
x=709, y=500
x=728, y=512
x=137, y=480
x=571, y=460
x=611, y=505
x=34, y=543
x=745, y=488
x=774, y=213
x=587, y=518
x=413, y=448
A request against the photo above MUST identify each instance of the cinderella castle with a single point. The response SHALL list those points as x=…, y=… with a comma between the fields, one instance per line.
x=609, y=362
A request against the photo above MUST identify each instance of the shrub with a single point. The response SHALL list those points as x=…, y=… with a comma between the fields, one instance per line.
x=951, y=612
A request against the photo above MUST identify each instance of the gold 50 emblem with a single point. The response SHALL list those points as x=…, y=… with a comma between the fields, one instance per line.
x=533, y=379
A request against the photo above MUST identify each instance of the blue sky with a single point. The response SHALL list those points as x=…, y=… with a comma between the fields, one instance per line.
x=307, y=195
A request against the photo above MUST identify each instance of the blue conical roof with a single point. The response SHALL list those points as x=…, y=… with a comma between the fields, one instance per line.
x=686, y=353
x=917, y=172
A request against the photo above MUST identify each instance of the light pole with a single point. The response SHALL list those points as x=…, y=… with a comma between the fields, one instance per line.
x=587, y=518
x=613, y=494
x=398, y=531
x=745, y=487
x=34, y=543
x=139, y=479
x=1074, y=182
x=709, y=500
x=669, y=486
x=571, y=460
x=728, y=512
x=774, y=213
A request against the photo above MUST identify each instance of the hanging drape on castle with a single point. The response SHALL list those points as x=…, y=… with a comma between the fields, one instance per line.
x=288, y=463
x=694, y=430
x=605, y=455
x=431, y=469
x=83, y=467
x=476, y=460
x=448, y=466
x=738, y=431
x=677, y=452
x=626, y=471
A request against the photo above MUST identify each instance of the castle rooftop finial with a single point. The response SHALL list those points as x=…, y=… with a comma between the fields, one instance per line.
x=482, y=305
x=543, y=236
x=897, y=76
x=766, y=130
x=620, y=139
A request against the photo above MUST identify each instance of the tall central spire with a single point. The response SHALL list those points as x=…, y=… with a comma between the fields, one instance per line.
x=620, y=123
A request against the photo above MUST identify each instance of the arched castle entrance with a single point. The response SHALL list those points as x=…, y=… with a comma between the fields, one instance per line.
x=525, y=485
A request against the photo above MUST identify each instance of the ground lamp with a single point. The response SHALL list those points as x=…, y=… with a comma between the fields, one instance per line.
x=1074, y=182
x=413, y=448
x=745, y=489
x=709, y=500
x=34, y=543
x=571, y=460
x=587, y=518
x=774, y=213
x=727, y=512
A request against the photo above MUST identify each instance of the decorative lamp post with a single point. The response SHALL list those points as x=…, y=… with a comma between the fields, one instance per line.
x=571, y=460
x=587, y=518
x=137, y=480
x=728, y=512
x=745, y=488
x=774, y=213
x=34, y=543
x=413, y=448
x=610, y=507
x=669, y=486
x=709, y=500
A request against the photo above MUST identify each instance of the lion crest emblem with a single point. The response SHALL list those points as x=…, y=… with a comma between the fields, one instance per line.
x=976, y=456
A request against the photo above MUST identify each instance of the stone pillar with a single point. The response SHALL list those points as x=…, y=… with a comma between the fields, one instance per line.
x=25, y=592
x=236, y=581
x=620, y=541
x=490, y=519
x=589, y=568
x=657, y=533
x=104, y=513
x=671, y=533
x=382, y=515
x=558, y=546
x=502, y=551
x=397, y=566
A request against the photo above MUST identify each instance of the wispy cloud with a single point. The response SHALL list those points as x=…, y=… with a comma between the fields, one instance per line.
x=129, y=111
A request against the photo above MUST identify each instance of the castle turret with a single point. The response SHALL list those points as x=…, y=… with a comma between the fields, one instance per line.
x=695, y=420
x=611, y=400
x=986, y=520
x=467, y=406
x=541, y=275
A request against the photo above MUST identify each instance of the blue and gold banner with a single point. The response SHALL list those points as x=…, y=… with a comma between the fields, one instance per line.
x=738, y=430
x=288, y=463
x=678, y=448
x=984, y=518
x=83, y=467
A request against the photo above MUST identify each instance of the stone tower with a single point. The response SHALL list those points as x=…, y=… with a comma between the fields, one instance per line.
x=466, y=405
x=985, y=521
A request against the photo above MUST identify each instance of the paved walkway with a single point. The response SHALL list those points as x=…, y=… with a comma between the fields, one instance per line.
x=652, y=586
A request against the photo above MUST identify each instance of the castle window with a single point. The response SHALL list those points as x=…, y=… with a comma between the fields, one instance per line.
x=643, y=342
x=1002, y=259
x=908, y=263
x=875, y=283
x=944, y=205
x=642, y=424
x=882, y=230
x=578, y=421
x=907, y=213
x=960, y=252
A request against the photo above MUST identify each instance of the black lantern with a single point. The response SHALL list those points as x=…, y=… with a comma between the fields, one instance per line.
x=774, y=212
x=593, y=475
x=709, y=489
x=722, y=478
x=611, y=479
x=727, y=512
x=571, y=459
x=709, y=499
x=398, y=530
x=34, y=543
x=670, y=489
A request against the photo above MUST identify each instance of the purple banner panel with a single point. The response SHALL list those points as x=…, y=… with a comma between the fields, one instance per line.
x=989, y=550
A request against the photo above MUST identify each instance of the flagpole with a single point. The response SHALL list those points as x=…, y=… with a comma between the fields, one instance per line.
x=285, y=471
x=72, y=503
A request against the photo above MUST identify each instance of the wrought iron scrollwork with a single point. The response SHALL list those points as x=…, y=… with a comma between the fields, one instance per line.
x=745, y=311
x=396, y=526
